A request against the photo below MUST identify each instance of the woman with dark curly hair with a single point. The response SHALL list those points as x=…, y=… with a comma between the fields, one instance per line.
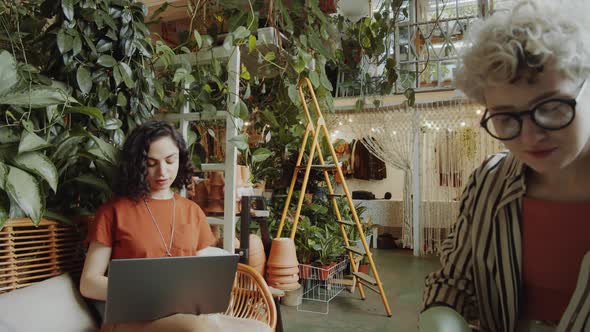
x=147, y=218
x=135, y=164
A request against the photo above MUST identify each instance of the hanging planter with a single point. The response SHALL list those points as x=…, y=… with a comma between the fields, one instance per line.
x=352, y=51
x=354, y=10
x=328, y=6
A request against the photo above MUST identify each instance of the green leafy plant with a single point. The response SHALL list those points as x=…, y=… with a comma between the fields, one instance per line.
x=328, y=246
x=32, y=134
x=369, y=39
x=305, y=241
x=102, y=50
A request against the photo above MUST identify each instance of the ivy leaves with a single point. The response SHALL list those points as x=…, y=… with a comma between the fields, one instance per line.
x=105, y=49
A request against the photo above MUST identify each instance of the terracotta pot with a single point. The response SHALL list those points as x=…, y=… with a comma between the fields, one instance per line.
x=258, y=259
x=261, y=186
x=257, y=255
x=324, y=272
x=215, y=206
x=290, y=286
x=245, y=174
x=283, y=279
x=328, y=6
x=305, y=271
x=282, y=253
x=216, y=178
x=281, y=271
x=215, y=192
x=364, y=268
x=259, y=268
x=308, y=198
x=220, y=243
x=256, y=245
x=198, y=192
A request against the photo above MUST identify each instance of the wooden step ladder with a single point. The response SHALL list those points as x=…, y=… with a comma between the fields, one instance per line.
x=354, y=253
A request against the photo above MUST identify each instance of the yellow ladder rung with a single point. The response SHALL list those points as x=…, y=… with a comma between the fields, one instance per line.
x=371, y=287
x=346, y=222
x=356, y=250
x=365, y=277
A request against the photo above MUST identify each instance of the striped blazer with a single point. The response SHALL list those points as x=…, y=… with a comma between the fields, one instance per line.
x=481, y=275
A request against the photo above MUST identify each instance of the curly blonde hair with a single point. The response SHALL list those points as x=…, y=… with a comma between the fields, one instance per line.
x=515, y=44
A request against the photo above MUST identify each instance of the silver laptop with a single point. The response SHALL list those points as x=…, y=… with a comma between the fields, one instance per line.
x=152, y=288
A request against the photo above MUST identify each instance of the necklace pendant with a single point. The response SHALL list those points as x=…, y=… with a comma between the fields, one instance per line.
x=168, y=254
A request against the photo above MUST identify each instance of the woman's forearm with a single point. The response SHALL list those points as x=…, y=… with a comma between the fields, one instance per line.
x=94, y=287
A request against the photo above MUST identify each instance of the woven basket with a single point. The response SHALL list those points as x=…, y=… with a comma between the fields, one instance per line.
x=30, y=254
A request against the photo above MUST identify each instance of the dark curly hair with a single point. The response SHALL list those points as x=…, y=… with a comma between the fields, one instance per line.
x=132, y=175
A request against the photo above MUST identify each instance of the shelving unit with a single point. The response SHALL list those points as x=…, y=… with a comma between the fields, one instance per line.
x=269, y=40
x=229, y=166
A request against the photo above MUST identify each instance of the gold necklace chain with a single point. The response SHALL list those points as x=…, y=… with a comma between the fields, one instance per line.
x=169, y=247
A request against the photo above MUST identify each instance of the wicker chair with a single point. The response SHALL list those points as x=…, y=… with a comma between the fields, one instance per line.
x=30, y=254
x=251, y=297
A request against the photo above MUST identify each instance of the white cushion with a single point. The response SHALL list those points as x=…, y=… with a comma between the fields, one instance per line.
x=51, y=305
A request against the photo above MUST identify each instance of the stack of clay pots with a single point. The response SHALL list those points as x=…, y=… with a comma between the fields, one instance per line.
x=256, y=255
x=215, y=197
x=198, y=192
x=282, y=266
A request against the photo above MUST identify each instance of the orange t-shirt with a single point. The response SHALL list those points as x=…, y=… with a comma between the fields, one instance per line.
x=127, y=227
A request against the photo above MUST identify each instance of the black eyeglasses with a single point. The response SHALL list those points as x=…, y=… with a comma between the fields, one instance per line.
x=552, y=114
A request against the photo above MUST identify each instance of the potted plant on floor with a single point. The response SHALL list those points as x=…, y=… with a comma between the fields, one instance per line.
x=329, y=249
x=305, y=243
x=364, y=265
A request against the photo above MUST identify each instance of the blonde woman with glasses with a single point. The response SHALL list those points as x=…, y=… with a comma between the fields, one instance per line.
x=518, y=258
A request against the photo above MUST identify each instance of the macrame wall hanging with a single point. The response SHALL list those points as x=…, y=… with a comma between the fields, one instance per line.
x=451, y=145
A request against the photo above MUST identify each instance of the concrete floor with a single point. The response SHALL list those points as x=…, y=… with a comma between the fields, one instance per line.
x=402, y=275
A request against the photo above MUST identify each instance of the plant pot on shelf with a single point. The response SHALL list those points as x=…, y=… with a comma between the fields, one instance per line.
x=215, y=206
x=216, y=178
x=244, y=176
x=198, y=192
x=215, y=193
